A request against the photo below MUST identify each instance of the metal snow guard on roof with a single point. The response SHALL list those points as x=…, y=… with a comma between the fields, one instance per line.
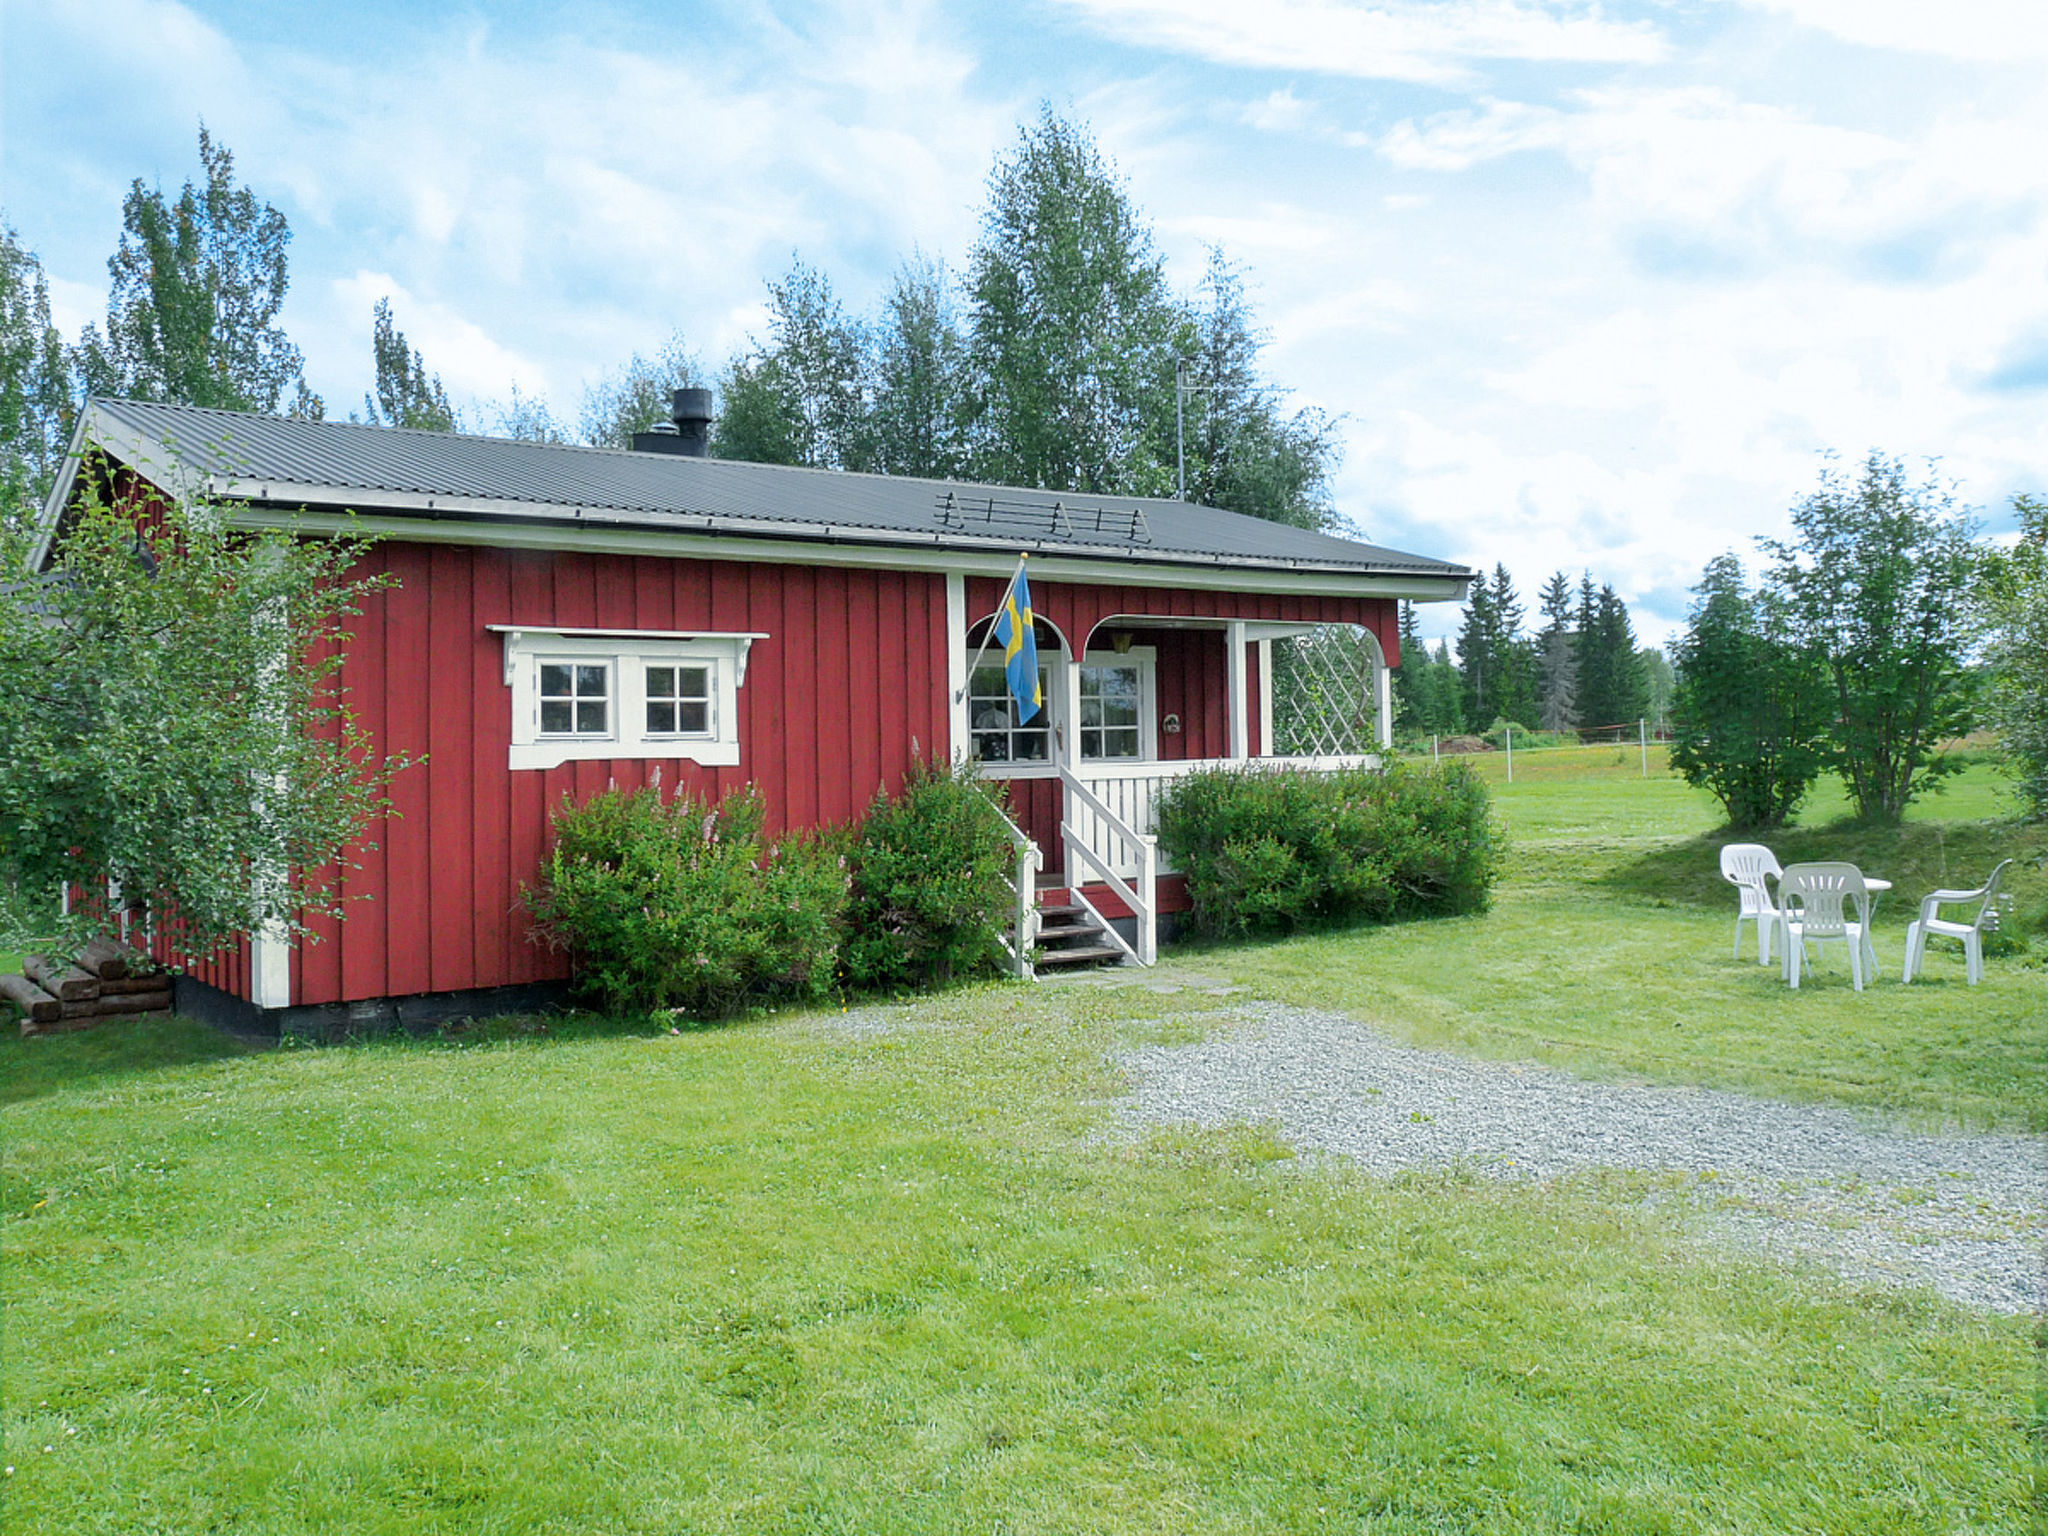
x=284, y=461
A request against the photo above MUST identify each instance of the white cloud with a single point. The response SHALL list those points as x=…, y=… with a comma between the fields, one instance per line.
x=1280, y=112
x=1392, y=40
x=1456, y=141
x=470, y=361
x=1991, y=31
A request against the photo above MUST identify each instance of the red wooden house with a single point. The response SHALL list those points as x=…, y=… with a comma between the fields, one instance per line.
x=564, y=618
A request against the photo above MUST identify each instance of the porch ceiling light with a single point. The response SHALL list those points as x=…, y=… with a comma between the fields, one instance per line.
x=1120, y=642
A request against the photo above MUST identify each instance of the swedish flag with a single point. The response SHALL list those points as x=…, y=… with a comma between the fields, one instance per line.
x=1020, y=646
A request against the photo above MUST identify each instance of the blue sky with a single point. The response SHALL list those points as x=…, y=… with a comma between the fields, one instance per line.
x=1591, y=285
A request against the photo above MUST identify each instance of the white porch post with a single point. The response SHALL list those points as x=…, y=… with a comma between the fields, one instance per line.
x=1067, y=680
x=1383, y=702
x=1240, y=723
x=270, y=967
x=1266, y=699
x=960, y=746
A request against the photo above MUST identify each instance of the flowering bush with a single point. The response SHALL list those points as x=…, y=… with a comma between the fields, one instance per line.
x=680, y=904
x=1272, y=851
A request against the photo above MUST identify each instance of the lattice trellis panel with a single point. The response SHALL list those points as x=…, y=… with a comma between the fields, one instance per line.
x=1322, y=693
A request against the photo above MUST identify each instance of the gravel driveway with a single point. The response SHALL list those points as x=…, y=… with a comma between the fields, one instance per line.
x=1960, y=1213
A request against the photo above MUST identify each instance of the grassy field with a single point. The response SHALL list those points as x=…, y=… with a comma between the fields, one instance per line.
x=883, y=1271
x=1608, y=952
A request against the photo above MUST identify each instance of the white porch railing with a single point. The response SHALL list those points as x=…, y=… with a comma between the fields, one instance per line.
x=1131, y=793
x=1109, y=823
x=1138, y=849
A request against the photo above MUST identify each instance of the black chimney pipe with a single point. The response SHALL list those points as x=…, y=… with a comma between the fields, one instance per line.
x=689, y=434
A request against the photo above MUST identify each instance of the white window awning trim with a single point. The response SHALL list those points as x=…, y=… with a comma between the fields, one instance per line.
x=742, y=640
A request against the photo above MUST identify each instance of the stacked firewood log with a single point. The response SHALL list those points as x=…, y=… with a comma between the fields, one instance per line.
x=106, y=981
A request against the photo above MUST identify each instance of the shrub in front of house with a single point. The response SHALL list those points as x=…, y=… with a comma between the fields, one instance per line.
x=681, y=904
x=931, y=882
x=1270, y=852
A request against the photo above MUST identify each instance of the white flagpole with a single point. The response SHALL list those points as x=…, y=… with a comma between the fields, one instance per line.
x=1007, y=590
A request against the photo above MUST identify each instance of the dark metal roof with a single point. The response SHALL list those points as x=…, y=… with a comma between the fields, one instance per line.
x=333, y=463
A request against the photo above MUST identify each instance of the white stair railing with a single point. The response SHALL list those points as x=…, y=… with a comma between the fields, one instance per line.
x=1023, y=936
x=1140, y=894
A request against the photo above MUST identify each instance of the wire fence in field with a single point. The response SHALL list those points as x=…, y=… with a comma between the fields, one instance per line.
x=1636, y=750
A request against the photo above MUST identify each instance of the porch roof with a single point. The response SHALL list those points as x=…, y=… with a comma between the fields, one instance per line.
x=280, y=462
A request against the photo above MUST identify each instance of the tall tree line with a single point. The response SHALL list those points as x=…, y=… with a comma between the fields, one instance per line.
x=1055, y=358
x=1579, y=668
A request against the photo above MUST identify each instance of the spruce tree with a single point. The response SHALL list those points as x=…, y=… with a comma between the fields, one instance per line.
x=1558, y=657
x=1479, y=663
x=1515, y=655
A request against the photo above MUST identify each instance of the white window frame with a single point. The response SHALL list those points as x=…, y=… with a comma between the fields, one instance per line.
x=1146, y=659
x=628, y=653
x=712, y=714
x=611, y=698
x=1046, y=720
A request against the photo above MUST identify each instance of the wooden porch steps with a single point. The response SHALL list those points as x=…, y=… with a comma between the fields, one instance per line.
x=1070, y=937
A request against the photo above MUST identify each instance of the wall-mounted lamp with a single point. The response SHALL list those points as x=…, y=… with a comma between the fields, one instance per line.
x=1120, y=642
x=1170, y=725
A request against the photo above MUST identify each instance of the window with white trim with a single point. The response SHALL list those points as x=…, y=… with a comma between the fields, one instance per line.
x=680, y=701
x=581, y=694
x=1119, y=705
x=999, y=736
x=575, y=698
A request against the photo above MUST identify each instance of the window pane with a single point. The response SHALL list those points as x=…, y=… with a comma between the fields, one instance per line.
x=1091, y=744
x=1119, y=712
x=555, y=717
x=554, y=682
x=1120, y=681
x=1091, y=712
x=1030, y=746
x=693, y=682
x=590, y=717
x=694, y=716
x=661, y=717
x=661, y=682
x=590, y=685
x=1120, y=743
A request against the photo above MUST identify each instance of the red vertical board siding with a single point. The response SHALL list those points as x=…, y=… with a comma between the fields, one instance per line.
x=871, y=661
x=367, y=907
x=316, y=964
x=852, y=670
x=451, y=792
x=407, y=657
x=529, y=592
x=796, y=702
x=492, y=897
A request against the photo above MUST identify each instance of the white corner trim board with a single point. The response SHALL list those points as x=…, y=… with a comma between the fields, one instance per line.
x=583, y=694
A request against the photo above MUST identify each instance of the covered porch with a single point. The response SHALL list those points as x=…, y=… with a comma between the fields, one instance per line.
x=1142, y=689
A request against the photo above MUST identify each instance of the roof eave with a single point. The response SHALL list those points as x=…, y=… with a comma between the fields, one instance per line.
x=417, y=505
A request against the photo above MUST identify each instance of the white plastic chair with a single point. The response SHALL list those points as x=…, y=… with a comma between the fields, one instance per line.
x=1815, y=902
x=1750, y=867
x=1971, y=933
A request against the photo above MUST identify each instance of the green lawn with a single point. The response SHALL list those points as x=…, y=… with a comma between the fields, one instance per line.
x=784, y=1276
x=1608, y=952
